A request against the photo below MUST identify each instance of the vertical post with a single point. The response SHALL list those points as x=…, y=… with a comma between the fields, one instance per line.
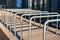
x=6, y=19
x=21, y=27
x=29, y=34
x=57, y=26
x=15, y=24
x=10, y=21
x=47, y=19
x=44, y=32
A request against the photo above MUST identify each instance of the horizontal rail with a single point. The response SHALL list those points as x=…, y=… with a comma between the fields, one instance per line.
x=33, y=13
x=23, y=12
x=30, y=15
x=38, y=17
x=15, y=17
x=45, y=25
x=37, y=14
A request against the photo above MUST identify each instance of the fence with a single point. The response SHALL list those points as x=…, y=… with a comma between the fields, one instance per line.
x=45, y=26
x=6, y=18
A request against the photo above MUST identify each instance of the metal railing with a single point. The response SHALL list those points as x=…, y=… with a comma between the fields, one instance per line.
x=2, y=7
x=7, y=17
x=23, y=12
x=44, y=27
x=2, y=16
x=20, y=12
x=26, y=14
x=15, y=18
x=34, y=15
x=31, y=13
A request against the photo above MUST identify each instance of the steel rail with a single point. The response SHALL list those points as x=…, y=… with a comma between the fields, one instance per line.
x=21, y=12
x=38, y=17
x=45, y=25
x=30, y=15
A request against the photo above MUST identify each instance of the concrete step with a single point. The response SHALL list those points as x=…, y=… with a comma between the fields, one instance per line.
x=18, y=23
x=25, y=28
x=18, y=26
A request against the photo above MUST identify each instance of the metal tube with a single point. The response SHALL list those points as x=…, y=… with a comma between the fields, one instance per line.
x=46, y=16
x=15, y=24
x=30, y=24
x=44, y=27
x=52, y=18
x=21, y=26
x=57, y=27
x=29, y=34
x=10, y=21
x=21, y=22
x=4, y=17
x=1, y=16
x=22, y=17
x=7, y=19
